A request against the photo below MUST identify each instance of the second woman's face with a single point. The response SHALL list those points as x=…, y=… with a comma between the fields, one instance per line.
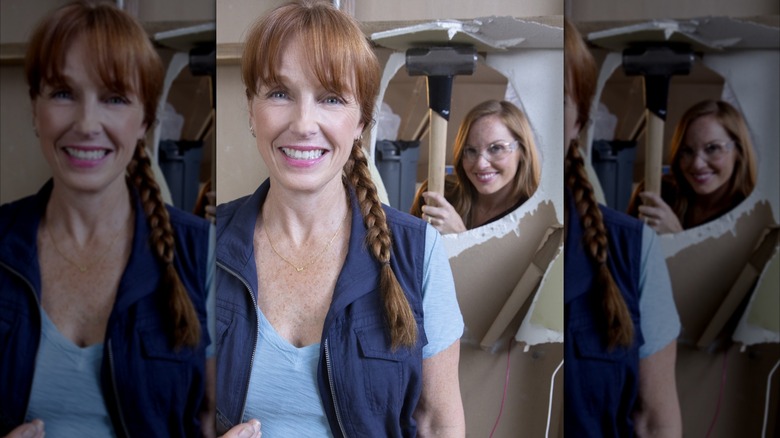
x=490, y=177
x=303, y=131
x=88, y=133
x=706, y=171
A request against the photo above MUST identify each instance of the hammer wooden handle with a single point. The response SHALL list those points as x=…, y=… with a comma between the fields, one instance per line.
x=654, y=150
x=437, y=152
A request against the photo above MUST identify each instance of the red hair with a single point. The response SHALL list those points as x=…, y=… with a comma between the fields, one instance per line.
x=125, y=61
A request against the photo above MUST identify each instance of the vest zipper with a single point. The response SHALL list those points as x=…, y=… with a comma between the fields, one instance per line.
x=116, y=393
x=110, y=355
x=333, y=390
x=257, y=321
x=38, y=302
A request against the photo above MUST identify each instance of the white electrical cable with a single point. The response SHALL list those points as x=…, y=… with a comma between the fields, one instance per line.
x=549, y=407
x=768, y=398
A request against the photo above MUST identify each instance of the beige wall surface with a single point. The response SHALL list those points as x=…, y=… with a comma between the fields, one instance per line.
x=629, y=10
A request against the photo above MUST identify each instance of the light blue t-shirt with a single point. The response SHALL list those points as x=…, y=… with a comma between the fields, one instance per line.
x=659, y=320
x=66, y=392
x=283, y=391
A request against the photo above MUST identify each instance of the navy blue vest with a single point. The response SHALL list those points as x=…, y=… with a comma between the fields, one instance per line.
x=150, y=389
x=366, y=388
x=601, y=385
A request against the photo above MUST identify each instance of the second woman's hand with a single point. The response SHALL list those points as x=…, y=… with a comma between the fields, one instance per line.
x=250, y=429
x=441, y=214
x=658, y=215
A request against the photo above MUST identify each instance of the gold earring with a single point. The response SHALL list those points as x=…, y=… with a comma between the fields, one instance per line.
x=252, y=131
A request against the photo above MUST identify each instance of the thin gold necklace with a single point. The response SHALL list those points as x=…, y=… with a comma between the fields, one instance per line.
x=313, y=259
x=81, y=268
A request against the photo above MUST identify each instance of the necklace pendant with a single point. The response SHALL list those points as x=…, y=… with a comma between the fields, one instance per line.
x=83, y=268
x=299, y=269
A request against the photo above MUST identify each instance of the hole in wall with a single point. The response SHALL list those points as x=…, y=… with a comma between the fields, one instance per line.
x=619, y=116
x=406, y=97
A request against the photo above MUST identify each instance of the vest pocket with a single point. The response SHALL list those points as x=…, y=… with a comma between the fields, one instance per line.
x=382, y=368
x=223, y=327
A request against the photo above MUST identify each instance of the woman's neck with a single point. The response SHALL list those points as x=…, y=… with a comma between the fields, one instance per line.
x=495, y=203
x=710, y=205
x=85, y=216
x=301, y=216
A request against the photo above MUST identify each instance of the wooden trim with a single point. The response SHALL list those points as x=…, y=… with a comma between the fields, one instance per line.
x=12, y=53
x=229, y=53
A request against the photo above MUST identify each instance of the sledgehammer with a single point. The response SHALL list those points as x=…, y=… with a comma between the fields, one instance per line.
x=657, y=62
x=440, y=64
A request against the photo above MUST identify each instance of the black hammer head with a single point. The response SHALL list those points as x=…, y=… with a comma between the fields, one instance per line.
x=441, y=61
x=658, y=59
x=657, y=62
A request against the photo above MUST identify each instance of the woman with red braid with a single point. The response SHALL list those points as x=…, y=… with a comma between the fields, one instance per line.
x=336, y=315
x=620, y=319
x=103, y=288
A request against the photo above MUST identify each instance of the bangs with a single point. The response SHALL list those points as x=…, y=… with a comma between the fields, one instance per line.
x=109, y=42
x=121, y=55
x=327, y=53
x=337, y=52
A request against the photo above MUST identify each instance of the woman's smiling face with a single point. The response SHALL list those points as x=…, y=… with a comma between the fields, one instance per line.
x=88, y=133
x=707, y=170
x=303, y=131
x=490, y=177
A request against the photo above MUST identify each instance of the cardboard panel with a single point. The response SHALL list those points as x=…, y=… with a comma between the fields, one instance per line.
x=760, y=323
x=738, y=381
x=698, y=293
x=483, y=376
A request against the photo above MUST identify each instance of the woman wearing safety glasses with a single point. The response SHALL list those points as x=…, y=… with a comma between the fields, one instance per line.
x=497, y=169
x=713, y=169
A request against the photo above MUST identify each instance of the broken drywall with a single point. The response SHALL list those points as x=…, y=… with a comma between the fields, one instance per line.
x=760, y=323
x=698, y=293
x=720, y=389
x=488, y=262
x=545, y=323
x=722, y=245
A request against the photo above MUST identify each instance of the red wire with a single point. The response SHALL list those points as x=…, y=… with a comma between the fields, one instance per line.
x=720, y=394
x=506, y=385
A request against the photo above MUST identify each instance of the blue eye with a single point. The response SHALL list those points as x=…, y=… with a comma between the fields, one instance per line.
x=277, y=94
x=117, y=100
x=334, y=100
x=61, y=94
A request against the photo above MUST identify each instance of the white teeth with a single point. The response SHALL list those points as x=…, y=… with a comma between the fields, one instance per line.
x=485, y=176
x=303, y=155
x=92, y=154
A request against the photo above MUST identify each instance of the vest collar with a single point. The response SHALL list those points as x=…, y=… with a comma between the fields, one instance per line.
x=20, y=250
x=358, y=276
